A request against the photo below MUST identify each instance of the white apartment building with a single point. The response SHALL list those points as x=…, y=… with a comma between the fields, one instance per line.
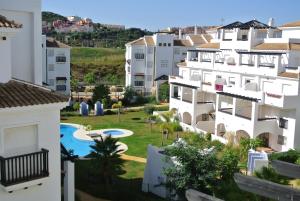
x=151, y=59
x=56, y=66
x=29, y=113
x=244, y=83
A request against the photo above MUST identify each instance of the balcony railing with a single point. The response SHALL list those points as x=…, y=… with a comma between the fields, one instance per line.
x=226, y=110
x=24, y=168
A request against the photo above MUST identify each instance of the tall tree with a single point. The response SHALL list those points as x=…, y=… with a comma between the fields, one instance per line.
x=101, y=92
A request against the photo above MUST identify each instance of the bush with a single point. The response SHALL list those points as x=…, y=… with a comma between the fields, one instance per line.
x=109, y=112
x=176, y=127
x=208, y=136
x=228, y=164
x=76, y=106
x=151, y=99
x=271, y=175
x=291, y=156
x=148, y=109
x=219, y=146
x=140, y=100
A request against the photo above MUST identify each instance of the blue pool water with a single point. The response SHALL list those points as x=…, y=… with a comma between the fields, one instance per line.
x=113, y=132
x=79, y=147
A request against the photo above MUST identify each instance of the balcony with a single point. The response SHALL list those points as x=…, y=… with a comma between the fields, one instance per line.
x=281, y=100
x=190, y=81
x=23, y=168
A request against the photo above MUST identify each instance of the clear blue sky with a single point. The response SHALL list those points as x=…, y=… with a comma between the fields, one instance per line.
x=155, y=14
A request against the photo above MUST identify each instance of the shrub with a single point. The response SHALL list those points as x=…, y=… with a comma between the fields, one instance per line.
x=228, y=164
x=219, y=146
x=177, y=127
x=291, y=156
x=76, y=106
x=148, y=109
x=109, y=112
x=271, y=175
x=151, y=99
x=208, y=136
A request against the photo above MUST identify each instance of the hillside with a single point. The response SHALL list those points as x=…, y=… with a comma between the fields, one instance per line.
x=106, y=63
x=50, y=17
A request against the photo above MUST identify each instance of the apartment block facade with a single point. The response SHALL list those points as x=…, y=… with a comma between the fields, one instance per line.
x=244, y=83
x=29, y=113
x=56, y=66
x=151, y=59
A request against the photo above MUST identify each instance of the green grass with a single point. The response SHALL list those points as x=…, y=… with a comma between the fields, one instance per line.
x=103, y=62
x=134, y=121
x=97, y=56
x=126, y=187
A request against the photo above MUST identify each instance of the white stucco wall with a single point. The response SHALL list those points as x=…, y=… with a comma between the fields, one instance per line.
x=45, y=121
x=27, y=44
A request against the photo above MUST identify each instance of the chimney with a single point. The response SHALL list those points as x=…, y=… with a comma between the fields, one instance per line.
x=195, y=30
x=271, y=22
x=270, y=33
x=180, y=34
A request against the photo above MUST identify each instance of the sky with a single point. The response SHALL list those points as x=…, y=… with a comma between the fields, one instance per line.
x=158, y=14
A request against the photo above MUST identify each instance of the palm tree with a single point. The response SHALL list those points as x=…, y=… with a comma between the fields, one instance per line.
x=106, y=158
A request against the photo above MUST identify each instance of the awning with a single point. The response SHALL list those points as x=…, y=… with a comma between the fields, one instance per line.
x=61, y=78
x=239, y=96
x=162, y=77
x=183, y=85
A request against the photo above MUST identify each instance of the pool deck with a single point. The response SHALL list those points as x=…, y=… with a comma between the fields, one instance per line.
x=82, y=134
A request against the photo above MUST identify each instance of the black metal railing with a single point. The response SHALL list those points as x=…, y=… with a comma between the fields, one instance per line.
x=24, y=168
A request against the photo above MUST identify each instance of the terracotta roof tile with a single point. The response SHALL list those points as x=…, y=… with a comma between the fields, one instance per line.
x=207, y=37
x=210, y=46
x=139, y=41
x=289, y=75
x=182, y=42
x=5, y=23
x=292, y=24
x=197, y=39
x=149, y=40
x=277, y=46
x=51, y=42
x=182, y=64
x=19, y=94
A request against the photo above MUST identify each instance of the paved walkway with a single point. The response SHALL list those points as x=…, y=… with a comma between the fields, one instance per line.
x=133, y=158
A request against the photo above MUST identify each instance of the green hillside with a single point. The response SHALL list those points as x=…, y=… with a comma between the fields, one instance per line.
x=106, y=63
x=50, y=17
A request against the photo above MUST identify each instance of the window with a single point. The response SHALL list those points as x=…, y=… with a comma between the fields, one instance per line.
x=139, y=83
x=149, y=78
x=61, y=59
x=164, y=63
x=232, y=80
x=128, y=69
x=50, y=53
x=283, y=123
x=139, y=56
x=247, y=80
x=165, y=44
x=51, y=82
x=150, y=50
x=169, y=44
x=177, y=51
x=219, y=76
x=281, y=140
x=160, y=44
x=61, y=88
x=149, y=64
x=50, y=67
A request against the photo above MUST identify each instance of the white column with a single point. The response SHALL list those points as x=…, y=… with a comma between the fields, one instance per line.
x=256, y=62
x=69, y=181
x=254, y=116
x=194, y=107
x=181, y=93
x=234, y=106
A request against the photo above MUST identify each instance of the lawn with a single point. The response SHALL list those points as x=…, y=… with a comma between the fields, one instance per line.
x=127, y=187
x=134, y=121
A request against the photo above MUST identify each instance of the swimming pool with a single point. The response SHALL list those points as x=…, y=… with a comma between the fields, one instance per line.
x=113, y=132
x=79, y=147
